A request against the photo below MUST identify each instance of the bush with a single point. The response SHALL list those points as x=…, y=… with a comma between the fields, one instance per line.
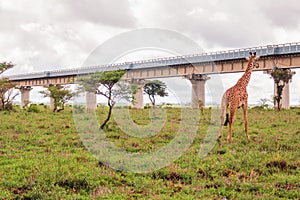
x=147, y=106
x=34, y=108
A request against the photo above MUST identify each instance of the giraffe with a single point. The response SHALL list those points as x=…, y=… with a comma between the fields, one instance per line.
x=236, y=97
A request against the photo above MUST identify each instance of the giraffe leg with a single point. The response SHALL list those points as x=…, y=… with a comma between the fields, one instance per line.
x=245, y=110
x=224, y=107
x=231, y=120
x=229, y=137
x=221, y=123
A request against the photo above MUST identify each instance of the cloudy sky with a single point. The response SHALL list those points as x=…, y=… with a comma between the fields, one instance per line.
x=46, y=35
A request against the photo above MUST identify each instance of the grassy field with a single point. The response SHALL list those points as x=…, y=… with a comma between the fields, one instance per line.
x=42, y=157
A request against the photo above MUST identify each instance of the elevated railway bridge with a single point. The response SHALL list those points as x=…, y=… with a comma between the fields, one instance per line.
x=195, y=67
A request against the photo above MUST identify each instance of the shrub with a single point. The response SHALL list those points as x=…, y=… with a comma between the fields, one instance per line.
x=34, y=108
x=147, y=106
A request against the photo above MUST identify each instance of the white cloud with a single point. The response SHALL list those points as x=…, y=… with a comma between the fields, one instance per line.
x=281, y=13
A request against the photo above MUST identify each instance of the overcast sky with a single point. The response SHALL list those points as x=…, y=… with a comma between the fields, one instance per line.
x=46, y=35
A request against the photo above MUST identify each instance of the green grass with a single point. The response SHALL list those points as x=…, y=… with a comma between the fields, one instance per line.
x=42, y=157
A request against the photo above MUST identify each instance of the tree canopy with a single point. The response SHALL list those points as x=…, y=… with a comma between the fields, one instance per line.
x=284, y=75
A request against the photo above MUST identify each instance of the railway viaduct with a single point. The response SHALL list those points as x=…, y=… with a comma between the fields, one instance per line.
x=196, y=68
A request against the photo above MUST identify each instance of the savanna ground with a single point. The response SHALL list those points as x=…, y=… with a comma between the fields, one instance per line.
x=42, y=157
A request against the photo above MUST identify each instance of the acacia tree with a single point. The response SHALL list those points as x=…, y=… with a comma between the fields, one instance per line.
x=281, y=77
x=108, y=85
x=60, y=94
x=6, y=88
x=155, y=88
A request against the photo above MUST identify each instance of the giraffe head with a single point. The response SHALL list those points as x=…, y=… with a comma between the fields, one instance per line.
x=253, y=59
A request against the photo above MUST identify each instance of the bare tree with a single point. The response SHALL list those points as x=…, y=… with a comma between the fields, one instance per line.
x=263, y=102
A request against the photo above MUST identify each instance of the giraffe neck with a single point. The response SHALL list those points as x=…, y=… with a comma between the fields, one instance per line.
x=244, y=80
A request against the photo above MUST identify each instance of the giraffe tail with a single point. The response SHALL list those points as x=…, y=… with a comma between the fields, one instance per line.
x=226, y=120
x=224, y=107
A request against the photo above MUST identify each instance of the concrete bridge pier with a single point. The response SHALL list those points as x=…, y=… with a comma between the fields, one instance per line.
x=25, y=95
x=138, y=98
x=91, y=100
x=198, y=89
x=51, y=103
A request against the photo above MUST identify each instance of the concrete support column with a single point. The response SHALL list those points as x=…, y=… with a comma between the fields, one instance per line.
x=25, y=95
x=51, y=103
x=138, y=98
x=198, y=89
x=91, y=100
